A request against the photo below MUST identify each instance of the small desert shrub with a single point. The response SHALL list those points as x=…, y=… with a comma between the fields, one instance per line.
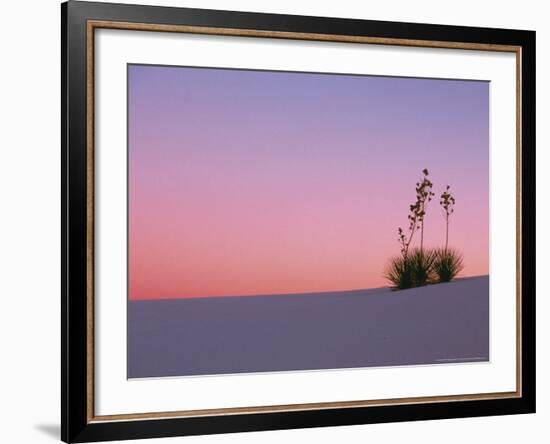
x=447, y=264
x=413, y=270
x=422, y=262
x=399, y=272
x=418, y=267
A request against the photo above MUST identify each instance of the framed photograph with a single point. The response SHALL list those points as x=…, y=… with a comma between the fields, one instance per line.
x=275, y=221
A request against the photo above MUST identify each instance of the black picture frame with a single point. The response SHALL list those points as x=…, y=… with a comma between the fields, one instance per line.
x=76, y=326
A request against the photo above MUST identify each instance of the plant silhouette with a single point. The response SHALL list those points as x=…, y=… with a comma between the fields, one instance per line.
x=447, y=202
x=424, y=195
x=418, y=267
x=417, y=213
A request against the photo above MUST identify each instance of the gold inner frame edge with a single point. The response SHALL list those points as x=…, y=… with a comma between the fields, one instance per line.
x=105, y=24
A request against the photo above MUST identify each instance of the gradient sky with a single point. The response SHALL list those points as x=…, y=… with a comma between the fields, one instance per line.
x=254, y=182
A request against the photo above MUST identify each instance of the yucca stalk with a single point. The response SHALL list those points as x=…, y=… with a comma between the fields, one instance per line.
x=417, y=212
x=447, y=201
x=424, y=195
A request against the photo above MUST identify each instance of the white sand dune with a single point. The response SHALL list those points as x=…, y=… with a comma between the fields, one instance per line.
x=436, y=324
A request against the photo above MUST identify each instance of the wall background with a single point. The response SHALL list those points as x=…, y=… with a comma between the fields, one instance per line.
x=30, y=218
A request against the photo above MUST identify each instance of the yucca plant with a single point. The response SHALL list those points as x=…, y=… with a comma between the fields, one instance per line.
x=422, y=262
x=447, y=264
x=399, y=272
x=420, y=266
x=413, y=270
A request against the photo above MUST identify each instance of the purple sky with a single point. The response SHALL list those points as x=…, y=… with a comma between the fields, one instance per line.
x=254, y=182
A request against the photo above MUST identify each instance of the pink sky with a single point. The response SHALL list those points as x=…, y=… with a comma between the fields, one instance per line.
x=248, y=182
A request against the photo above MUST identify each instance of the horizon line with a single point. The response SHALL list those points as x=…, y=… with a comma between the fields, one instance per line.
x=307, y=293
